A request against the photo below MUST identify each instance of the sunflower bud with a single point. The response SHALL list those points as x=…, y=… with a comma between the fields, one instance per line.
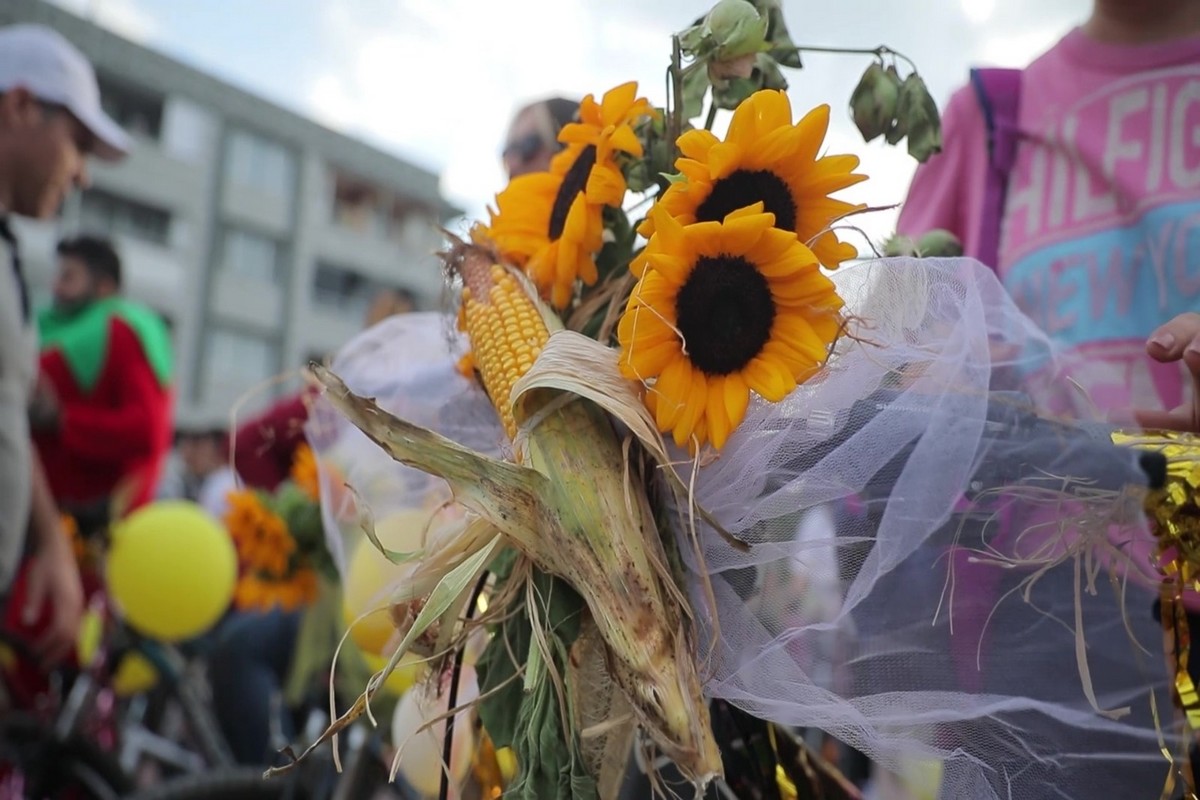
x=897, y=246
x=874, y=101
x=737, y=29
x=939, y=243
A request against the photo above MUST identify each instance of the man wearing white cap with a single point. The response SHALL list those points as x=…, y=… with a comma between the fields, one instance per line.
x=50, y=122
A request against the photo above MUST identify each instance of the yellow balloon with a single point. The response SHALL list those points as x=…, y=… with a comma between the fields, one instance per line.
x=369, y=572
x=135, y=674
x=410, y=669
x=172, y=569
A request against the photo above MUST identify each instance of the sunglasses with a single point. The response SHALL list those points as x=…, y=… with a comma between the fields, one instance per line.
x=525, y=148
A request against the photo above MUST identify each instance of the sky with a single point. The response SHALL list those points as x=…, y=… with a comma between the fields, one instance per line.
x=437, y=81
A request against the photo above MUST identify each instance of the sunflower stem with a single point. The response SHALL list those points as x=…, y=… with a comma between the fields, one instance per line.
x=676, y=118
x=879, y=52
x=712, y=114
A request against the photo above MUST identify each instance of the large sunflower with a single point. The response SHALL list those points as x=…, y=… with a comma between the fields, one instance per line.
x=767, y=159
x=722, y=309
x=551, y=223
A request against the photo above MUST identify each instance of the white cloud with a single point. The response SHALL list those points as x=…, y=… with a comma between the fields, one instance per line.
x=123, y=17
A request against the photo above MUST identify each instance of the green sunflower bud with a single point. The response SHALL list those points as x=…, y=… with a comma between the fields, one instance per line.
x=898, y=245
x=939, y=243
x=737, y=28
x=873, y=103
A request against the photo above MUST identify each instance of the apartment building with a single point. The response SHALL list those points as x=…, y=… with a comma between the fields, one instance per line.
x=257, y=233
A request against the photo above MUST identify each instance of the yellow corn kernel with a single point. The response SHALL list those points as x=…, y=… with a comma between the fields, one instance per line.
x=506, y=332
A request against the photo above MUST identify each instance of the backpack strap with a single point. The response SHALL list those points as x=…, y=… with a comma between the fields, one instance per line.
x=999, y=94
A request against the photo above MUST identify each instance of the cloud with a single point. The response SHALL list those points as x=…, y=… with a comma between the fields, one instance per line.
x=123, y=17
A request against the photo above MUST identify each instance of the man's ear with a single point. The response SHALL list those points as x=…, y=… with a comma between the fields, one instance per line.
x=107, y=287
x=18, y=108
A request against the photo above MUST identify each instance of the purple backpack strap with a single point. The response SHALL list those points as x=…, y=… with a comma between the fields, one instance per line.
x=999, y=94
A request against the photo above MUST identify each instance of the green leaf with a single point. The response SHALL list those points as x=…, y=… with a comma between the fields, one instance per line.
x=562, y=612
x=782, y=48
x=732, y=92
x=695, y=85
x=530, y=721
x=449, y=588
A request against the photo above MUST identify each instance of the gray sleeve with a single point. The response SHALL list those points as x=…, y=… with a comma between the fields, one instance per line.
x=18, y=369
x=15, y=480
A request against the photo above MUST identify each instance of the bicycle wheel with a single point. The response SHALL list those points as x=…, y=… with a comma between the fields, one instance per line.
x=46, y=768
x=227, y=784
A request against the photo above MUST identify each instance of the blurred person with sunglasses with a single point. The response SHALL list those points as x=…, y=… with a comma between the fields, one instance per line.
x=532, y=139
x=50, y=123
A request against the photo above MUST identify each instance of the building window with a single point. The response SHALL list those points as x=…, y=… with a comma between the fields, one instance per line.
x=137, y=110
x=342, y=290
x=358, y=205
x=260, y=163
x=236, y=362
x=103, y=213
x=250, y=255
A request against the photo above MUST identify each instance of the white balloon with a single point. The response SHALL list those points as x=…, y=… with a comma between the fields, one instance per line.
x=421, y=750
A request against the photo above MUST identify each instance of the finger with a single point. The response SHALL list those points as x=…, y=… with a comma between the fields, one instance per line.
x=1177, y=420
x=35, y=594
x=1169, y=342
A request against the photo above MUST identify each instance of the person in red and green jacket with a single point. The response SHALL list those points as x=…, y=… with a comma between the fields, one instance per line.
x=103, y=410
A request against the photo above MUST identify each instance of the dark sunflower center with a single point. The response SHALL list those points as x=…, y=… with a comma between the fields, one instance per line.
x=745, y=188
x=724, y=312
x=574, y=182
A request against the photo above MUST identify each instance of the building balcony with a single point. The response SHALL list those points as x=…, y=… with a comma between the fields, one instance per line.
x=247, y=302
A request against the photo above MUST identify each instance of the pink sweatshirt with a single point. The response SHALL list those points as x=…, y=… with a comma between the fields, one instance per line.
x=1100, y=242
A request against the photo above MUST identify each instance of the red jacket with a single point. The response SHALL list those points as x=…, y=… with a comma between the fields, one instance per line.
x=120, y=431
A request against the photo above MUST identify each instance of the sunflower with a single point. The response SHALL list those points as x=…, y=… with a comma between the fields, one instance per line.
x=551, y=223
x=767, y=159
x=722, y=309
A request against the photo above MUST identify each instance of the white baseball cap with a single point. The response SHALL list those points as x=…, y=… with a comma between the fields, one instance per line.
x=52, y=69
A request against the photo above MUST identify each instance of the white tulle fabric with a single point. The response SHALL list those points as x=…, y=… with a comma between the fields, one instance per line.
x=409, y=364
x=961, y=596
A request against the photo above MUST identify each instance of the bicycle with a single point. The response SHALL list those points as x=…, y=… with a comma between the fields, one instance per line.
x=365, y=774
x=73, y=715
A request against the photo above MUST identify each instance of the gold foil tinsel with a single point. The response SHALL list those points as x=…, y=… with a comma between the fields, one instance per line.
x=1174, y=511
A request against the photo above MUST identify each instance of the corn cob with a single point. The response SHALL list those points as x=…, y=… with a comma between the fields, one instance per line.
x=603, y=540
x=506, y=331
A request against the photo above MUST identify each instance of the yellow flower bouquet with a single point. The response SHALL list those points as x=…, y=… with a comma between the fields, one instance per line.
x=280, y=540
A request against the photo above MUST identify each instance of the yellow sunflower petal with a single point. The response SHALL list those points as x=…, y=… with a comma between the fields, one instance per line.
x=743, y=229
x=672, y=388
x=625, y=140
x=715, y=413
x=671, y=236
x=694, y=404
x=692, y=169
x=768, y=379
x=696, y=144
x=674, y=268
x=605, y=186
x=616, y=102
x=737, y=398
x=645, y=361
x=723, y=159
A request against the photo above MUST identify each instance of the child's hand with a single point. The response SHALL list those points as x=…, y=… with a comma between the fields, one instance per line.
x=1178, y=340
